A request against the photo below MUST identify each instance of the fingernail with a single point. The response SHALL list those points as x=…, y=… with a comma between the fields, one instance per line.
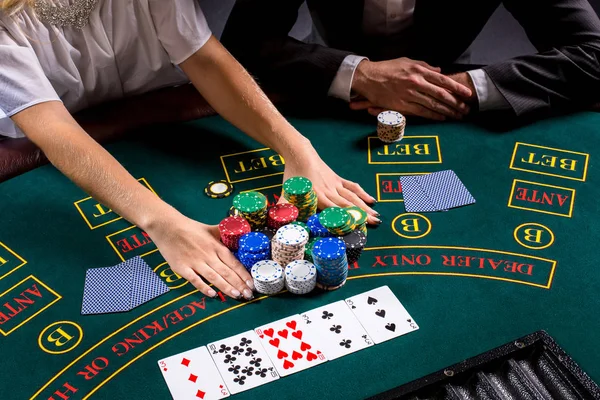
x=248, y=294
x=250, y=284
x=377, y=214
x=236, y=293
x=373, y=200
x=212, y=293
x=378, y=221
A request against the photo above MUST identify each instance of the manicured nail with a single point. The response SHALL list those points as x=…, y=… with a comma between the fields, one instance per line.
x=248, y=294
x=212, y=293
x=236, y=293
x=373, y=200
x=378, y=221
x=377, y=214
x=250, y=284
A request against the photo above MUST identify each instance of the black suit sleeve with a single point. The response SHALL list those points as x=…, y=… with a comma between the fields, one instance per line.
x=257, y=35
x=565, y=75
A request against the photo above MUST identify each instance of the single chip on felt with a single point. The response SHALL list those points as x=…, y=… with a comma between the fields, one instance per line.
x=218, y=189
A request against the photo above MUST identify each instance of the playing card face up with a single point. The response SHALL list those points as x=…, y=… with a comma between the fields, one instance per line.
x=242, y=362
x=381, y=314
x=338, y=332
x=290, y=346
x=192, y=375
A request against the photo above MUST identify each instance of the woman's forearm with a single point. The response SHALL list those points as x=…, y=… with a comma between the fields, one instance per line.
x=88, y=165
x=233, y=93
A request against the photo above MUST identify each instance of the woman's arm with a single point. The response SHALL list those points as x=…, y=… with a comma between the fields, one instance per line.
x=232, y=92
x=190, y=248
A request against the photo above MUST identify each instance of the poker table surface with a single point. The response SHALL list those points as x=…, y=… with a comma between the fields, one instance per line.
x=522, y=258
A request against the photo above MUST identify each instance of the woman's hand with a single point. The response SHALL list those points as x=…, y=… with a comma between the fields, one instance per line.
x=332, y=190
x=193, y=250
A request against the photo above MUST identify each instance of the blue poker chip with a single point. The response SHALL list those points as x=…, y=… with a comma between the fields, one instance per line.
x=254, y=242
x=316, y=229
x=330, y=248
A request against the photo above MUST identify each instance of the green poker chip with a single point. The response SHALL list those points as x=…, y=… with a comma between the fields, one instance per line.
x=297, y=186
x=334, y=217
x=250, y=202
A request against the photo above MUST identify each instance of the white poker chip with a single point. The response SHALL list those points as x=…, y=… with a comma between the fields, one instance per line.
x=300, y=270
x=291, y=235
x=390, y=118
x=266, y=271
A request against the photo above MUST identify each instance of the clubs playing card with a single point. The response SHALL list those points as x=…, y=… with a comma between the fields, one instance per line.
x=415, y=198
x=445, y=190
x=338, y=332
x=192, y=375
x=381, y=314
x=242, y=362
x=290, y=345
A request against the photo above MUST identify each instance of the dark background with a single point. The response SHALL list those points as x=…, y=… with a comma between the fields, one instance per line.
x=501, y=38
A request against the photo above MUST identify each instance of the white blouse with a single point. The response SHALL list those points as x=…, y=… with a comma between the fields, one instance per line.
x=129, y=47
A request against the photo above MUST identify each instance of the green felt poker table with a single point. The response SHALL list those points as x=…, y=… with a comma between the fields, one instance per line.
x=523, y=258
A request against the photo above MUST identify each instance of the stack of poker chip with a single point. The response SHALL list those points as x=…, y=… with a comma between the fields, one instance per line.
x=268, y=277
x=309, y=247
x=360, y=218
x=299, y=191
x=231, y=229
x=390, y=126
x=329, y=257
x=253, y=247
x=355, y=243
x=337, y=220
x=288, y=244
x=281, y=214
x=316, y=229
x=303, y=225
x=300, y=277
x=253, y=207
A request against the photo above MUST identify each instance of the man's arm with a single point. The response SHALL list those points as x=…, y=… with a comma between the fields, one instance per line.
x=257, y=34
x=565, y=74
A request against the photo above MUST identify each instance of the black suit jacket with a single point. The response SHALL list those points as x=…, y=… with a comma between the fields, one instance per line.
x=563, y=76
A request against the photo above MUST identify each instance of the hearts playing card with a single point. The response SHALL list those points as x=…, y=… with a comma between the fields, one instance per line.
x=381, y=314
x=338, y=331
x=242, y=362
x=192, y=375
x=291, y=345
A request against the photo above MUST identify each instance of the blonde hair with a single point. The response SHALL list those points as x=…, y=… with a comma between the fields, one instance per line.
x=12, y=6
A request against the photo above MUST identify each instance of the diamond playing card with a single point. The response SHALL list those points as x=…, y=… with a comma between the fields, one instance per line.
x=339, y=333
x=381, y=314
x=242, y=362
x=290, y=345
x=192, y=375
x=415, y=198
x=445, y=190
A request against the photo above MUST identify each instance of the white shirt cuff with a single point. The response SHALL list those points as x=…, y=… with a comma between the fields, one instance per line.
x=342, y=83
x=488, y=94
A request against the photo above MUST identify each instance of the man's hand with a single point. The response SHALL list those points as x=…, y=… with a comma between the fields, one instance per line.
x=409, y=87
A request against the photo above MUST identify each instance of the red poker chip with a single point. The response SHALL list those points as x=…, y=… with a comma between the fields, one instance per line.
x=235, y=225
x=286, y=212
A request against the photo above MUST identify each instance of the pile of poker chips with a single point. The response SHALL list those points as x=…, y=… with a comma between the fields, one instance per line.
x=360, y=218
x=316, y=229
x=253, y=247
x=253, y=207
x=281, y=214
x=309, y=247
x=337, y=220
x=231, y=229
x=268, y=277
x=300, y=277
x=390, y=126
x=298, y=190
x=302, y=224
x=355, y=242
x=329, y=257
x=288, y=244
